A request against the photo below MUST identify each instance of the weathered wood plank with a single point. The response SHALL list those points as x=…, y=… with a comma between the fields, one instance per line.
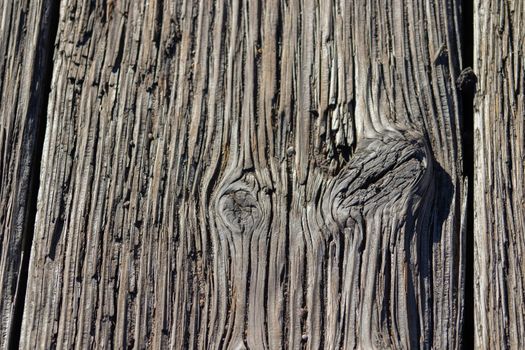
x=230, y=174
x=26, y=40
x=499, y=140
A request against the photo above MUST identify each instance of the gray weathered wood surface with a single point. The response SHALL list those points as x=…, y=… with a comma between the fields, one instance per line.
x=250, y=174
x=25, y=47
x=499, y=132
x=259, y=174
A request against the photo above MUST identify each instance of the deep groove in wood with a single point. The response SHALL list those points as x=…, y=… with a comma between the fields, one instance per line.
x=41, y=84
x=467, y=87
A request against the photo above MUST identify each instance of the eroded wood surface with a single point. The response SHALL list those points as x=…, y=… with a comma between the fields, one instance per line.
x=25, y=51
x=229, y=174
x=499, y=141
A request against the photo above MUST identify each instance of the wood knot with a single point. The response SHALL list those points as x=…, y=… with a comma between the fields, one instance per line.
x=239, y=205
x=382, y=172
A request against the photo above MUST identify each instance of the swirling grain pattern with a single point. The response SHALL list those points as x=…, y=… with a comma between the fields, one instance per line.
x=250, y=174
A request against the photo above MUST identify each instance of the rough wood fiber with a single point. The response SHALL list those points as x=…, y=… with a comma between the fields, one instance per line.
x=244, y=174
x=25, y=44
x=499, y=131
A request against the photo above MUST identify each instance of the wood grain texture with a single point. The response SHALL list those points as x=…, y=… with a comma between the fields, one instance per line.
x=499, y=133
x=262, y=174
x=25, y=46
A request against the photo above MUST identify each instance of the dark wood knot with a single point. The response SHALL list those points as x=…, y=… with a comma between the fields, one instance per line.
x=382, y=172
x=239, y=204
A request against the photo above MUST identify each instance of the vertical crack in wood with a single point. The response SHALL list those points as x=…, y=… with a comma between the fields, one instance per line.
x=32, y=150
x=466, y=85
